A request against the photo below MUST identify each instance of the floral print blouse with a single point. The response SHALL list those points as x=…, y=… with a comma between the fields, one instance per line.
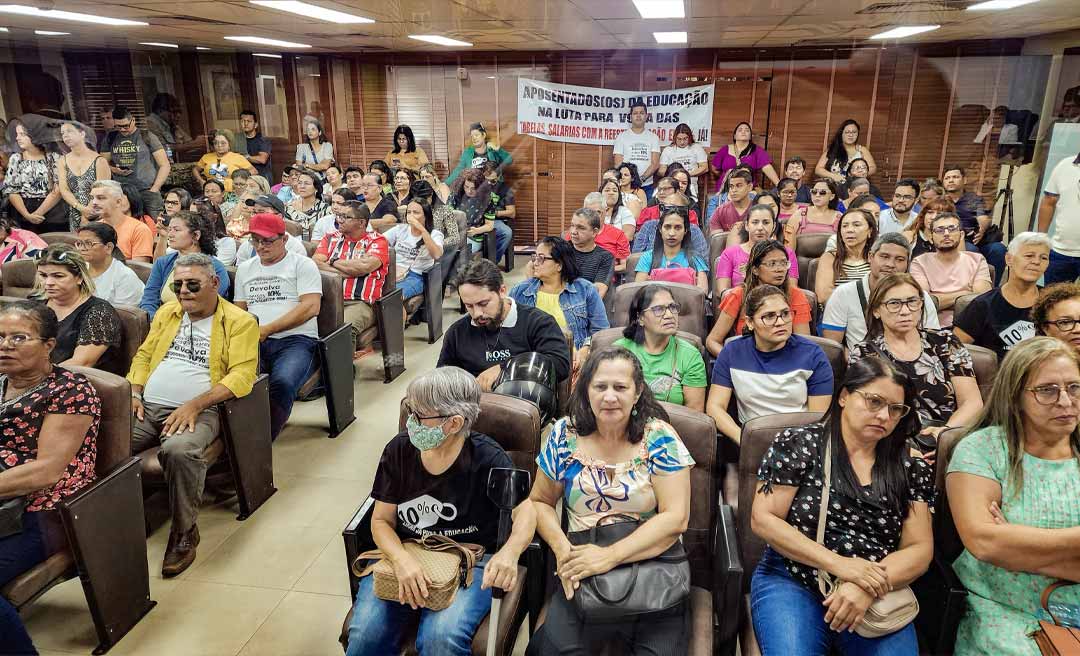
x=943, y=357
x=861, y=527
x=62, y=392
x=30, y=178
x=593, y=489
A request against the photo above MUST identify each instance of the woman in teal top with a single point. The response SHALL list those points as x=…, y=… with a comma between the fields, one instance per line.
x=673, y=367
x=671, y=258
x=473, y=156
x=1014, y=491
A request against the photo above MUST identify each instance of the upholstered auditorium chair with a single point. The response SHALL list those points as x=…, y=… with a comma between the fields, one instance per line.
x=141, y=269
x=18, y=277
x=104, y=528
x=985, y=363
x=333, y=361
x=134, y=327
x=51, y=238
x=809, y=247
x=388, y=329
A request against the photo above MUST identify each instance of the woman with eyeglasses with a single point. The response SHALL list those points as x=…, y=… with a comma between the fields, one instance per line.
x=788, y=190
x=176, y=200
x=1057, y=313
x=1014, y=491
x=946, y=392
x=556, y=287
x=403, y=180
x=769, y=369
x=672, y=258
x=760, y=225
x=769, y=264
x=856, y=233
x=114, y=281
x=188, y=233
x=673, y=367
x=220, y=164
x=307, y=205
x=89, y=334
x=49, y=419
x=821, y=215
x=809, y=596
x=919, y=233
x=406, y=154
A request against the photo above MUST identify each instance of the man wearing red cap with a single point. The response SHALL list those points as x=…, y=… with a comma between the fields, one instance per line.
x=284, y=290
x=362, y=257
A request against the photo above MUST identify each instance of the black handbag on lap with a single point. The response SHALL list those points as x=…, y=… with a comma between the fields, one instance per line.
x=631, y=589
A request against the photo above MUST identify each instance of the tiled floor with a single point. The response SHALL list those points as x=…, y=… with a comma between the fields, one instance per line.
x=276, y=584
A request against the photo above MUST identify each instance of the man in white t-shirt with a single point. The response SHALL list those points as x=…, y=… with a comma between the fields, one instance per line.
x=844, y=320
x=284, y=290
x=639, y=146
x=1061, y=204
x=201, y=351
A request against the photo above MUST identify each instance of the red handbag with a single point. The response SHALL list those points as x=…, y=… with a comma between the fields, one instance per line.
x=1052, y=638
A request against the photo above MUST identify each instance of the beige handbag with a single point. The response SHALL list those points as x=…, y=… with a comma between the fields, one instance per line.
x=448, y=564
x=886, y=615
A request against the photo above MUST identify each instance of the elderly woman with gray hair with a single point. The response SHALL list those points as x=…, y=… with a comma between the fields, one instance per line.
x=432, y=479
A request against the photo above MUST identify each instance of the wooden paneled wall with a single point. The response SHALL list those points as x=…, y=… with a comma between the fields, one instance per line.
x=918, y=108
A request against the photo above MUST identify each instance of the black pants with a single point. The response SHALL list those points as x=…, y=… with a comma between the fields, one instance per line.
x=566, y=634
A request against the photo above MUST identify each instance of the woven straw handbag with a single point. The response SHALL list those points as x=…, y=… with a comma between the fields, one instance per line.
x=448, y=564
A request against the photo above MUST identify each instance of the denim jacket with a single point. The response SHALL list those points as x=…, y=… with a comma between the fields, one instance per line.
x=163, y=266
x=580, y=303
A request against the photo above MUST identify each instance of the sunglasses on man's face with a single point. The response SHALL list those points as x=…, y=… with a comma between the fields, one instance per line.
x=193, y=286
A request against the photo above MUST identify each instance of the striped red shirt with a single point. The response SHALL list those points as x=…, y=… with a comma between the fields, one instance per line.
x=362, y=288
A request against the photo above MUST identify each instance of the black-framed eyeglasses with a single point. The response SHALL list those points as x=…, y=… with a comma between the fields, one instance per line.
x=875, y=403
x=776, y=318
x=540, y=258
x=261, y=241
x=412, y=413
x=83, y=244
x=945, y=230
x=18, y=339
x=659, y=311
x=193, y=286
x=913, y=304
x=1065, y=324
x=1049, y=394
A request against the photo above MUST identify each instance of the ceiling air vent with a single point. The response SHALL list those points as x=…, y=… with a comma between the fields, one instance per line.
x=189, y=19
x=915, y=6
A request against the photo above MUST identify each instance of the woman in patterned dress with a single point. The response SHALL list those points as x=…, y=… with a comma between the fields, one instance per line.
x=75, y=186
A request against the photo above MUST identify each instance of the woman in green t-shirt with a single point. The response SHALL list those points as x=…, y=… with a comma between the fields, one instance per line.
x=674, y=368
x=1014, y=492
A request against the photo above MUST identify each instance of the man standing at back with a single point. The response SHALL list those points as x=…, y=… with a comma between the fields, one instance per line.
x=284, y=291
x=639, y=146
x=974, y=218
x=138, y=156
x=1060, y=205
x=257, y=147
x=133, y=237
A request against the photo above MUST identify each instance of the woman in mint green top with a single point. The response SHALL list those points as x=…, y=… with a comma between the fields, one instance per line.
x=1014, y=491
x=480, y=150
x=673, y=367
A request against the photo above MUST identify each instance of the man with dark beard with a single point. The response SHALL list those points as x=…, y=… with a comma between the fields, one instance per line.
x=496, y=329
x=897, y=217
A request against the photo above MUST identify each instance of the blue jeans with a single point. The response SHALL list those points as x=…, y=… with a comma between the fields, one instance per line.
x=503, y=236
x=789, y=620
x=995, y=257
x=411, y=285
x=289, y=361
x=19, y=553
x=1063, y=268
x=377, y=626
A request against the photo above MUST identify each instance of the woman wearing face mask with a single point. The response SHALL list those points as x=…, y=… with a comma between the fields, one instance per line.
x=769, y=369
x=77, y=171
x=856, y=233
x=690, y=155
x=843, y=149
x=732, y=264
x=938, y=365
x=821, y=214
x=315, y=152
x=769, y=264
x=437, y=471
x=673, y=367
x=742, y=151
x=615, y=453
x=478, y=149
x=919, y=234
x=30, y=184
x=672, y=258
x=219, y=164
x=406, y=154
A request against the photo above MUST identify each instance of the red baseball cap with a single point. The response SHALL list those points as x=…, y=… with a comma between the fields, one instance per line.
x=266, y=225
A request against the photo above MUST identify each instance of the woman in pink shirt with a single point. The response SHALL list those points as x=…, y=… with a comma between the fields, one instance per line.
x=742, y=150
x=821, y=215
x=760, y=226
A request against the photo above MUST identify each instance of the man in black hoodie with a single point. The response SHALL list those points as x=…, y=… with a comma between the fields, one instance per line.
x=496, y=329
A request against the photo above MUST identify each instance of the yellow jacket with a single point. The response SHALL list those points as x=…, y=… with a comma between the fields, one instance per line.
x=234, y=346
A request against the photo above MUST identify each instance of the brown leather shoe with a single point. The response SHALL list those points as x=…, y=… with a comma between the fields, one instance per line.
x=180, y=552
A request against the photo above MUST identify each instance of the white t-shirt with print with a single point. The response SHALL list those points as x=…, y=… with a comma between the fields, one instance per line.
x=273, y=291
x=1064, y=182
x=638, y=148
x=412, y=253
x=690, y=157
x=119, y=285
x=184, y=372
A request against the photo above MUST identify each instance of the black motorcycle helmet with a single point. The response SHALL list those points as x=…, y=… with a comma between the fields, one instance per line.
x=532, y=377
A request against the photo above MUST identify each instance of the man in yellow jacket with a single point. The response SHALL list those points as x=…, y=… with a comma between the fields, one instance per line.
x=201, y=351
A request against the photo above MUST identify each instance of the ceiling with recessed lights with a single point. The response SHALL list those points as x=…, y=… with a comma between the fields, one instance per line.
x=535, y=24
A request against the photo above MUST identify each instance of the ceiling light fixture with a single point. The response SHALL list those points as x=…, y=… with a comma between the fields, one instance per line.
x=23, y=10
x=50, y=33
x=311, y=11
x=999, y=4
x=158, y=45
x=440, y=40
x=3, y=29
x=266, y=55
x=201, y=48
x=267, y=42
x=905, y=31
x=660, y=8
x=669, y=37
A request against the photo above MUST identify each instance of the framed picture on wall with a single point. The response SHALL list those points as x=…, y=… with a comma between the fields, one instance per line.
x=226, y=95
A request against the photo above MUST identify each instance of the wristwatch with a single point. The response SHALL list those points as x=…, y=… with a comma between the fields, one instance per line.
x=136, y=395
x=332, y=260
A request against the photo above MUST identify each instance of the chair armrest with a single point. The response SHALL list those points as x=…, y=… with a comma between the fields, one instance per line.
x=942, y=600
x=388, y=312
x=357, y=538
x=245, y=421
x=728, y=576
x=335, y=353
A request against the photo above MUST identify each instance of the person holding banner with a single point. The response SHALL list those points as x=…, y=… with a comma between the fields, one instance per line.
x=480, y=150
x=639, y=146
x=684, y=151
x=742, y=151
